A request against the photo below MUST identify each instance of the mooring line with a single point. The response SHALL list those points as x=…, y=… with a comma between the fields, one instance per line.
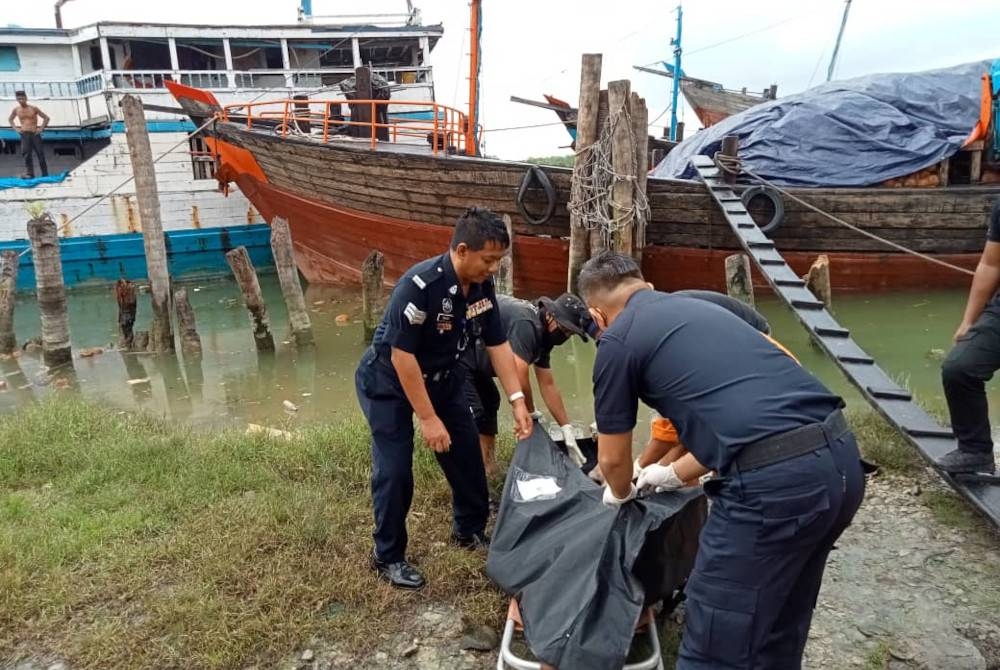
x=732, y=164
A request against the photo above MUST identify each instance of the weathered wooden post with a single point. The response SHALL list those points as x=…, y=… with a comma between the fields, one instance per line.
x=505, y=275
x=598, y=242
x=8, y=288
x=738, y=282
x=246, y=277
x=818, y=280
x=190, y=341
x=586, y=135
x=640, y=136
x=288, y=276
x=371, y=293
x=125, y=295
x=731, y=148
x=623, y=163
x=51, y=292
x=161, y=336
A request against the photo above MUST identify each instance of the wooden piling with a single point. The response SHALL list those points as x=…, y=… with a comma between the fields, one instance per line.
x=371, y=293
x=363, y=111
x=730, y=147
x=291, y=288
x=505, y=275
x=598, y=241
x=623, y=163
x=51, y=291
x=818, y=280
x=586, y=135
x=125, y=295
x=190, y=341
x=246, y=277
x=738, y=282
x=640, y=136
x=161, y=336
x=9, y=261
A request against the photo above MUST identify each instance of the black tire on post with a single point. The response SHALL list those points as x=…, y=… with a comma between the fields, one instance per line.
x=776, y=202
x=536, y=175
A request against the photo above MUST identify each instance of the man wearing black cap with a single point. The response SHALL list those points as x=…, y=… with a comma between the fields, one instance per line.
x=533, y=330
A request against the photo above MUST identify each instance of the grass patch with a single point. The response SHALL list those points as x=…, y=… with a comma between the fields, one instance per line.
x=556, y=161
x=126, y=541
x=951, y=510
x=882, y=444
x=878, y=658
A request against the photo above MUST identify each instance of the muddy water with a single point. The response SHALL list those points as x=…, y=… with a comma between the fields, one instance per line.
x=232, y=384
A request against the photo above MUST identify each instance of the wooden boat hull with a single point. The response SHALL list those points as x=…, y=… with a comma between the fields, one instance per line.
x=343, y=200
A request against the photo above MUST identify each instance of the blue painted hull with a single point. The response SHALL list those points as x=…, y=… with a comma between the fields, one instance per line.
x=102, y=259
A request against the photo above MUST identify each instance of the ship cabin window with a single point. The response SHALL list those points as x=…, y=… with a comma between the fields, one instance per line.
x=202, y=161
x=202, y=54
x=9, y=60
x=256, y=54
x=397, y=60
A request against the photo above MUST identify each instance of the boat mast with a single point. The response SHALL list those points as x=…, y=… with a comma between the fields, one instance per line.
x=475, y=26
x=840, y=36
x=676, y=42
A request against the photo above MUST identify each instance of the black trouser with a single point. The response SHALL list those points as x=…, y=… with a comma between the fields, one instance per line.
x=964, y=373
x=390, y=417
x=480, y=389
x=32, y=142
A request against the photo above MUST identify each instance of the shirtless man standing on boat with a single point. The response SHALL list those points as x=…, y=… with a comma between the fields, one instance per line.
x=27, y=125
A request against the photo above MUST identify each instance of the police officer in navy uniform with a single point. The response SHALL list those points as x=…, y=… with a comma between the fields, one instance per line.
x=412, y=367
x=789, y=474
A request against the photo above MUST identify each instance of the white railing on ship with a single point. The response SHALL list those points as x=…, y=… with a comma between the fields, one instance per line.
x=261, y=79
x=40, y=90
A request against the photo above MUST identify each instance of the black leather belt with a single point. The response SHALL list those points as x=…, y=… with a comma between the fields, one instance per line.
x=793, y=443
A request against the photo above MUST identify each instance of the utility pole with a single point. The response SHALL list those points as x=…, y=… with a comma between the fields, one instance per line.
x=676, y=42
x=840, y=36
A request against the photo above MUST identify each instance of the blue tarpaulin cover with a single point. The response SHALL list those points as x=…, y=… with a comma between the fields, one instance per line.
x=18, y=182
x=855, y=132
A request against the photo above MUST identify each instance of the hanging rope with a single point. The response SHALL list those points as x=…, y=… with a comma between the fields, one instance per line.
x=124, y=183
x=594, y=182
x=732, y=165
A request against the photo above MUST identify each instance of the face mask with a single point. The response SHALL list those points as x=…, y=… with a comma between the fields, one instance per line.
x=555, y=337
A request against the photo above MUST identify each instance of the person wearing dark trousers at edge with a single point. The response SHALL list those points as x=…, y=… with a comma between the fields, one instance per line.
x=28, y=126
x=789, y=477
x=533, y=331
x=972, y=362
x=412, y=367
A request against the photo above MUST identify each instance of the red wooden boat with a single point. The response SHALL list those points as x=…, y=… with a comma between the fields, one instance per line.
x=348, y=185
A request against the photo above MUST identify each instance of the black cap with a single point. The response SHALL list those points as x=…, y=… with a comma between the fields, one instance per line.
x=569, y=312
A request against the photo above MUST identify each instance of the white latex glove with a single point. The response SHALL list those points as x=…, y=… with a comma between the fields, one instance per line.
x=636, y=469
x=611, y=501
x=596, y=474
x=569, y=437
x=536, y=415
x=660, y=477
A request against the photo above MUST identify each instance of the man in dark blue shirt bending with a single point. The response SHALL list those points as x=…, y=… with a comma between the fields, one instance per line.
x=789, y=475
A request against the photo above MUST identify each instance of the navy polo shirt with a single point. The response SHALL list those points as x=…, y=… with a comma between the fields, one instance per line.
x=719, y=381
x=428, y=316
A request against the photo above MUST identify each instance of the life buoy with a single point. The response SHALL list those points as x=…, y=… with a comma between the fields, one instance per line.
x=535, y=174
x=776, y=202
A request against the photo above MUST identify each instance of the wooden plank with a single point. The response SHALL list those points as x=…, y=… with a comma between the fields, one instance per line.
x=586, y=135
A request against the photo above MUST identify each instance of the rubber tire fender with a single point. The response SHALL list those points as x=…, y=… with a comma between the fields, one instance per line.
x=776, y=202
x=536, y=174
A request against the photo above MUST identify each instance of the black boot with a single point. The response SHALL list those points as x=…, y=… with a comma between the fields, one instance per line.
x=471, y=542
x=959, y=461
x=401, y=574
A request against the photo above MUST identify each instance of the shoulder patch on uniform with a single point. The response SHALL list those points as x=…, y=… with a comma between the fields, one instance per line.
x=413, y=315
x=432, y=274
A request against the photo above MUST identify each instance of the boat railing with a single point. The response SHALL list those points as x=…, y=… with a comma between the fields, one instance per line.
x=403, y=122
x=67, y=88
x=318, y=78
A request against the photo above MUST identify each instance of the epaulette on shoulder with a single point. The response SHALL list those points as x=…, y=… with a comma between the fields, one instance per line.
x=431, y=274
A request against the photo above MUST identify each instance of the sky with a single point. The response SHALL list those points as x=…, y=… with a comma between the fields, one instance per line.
x=533, y=47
